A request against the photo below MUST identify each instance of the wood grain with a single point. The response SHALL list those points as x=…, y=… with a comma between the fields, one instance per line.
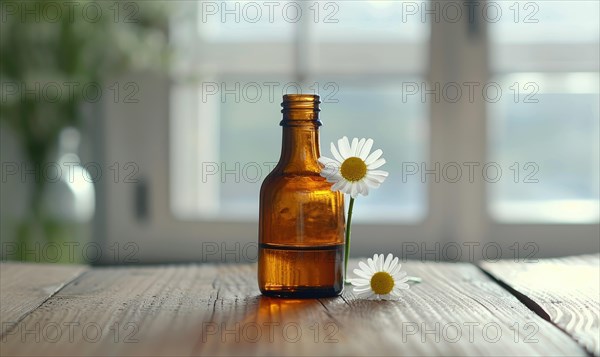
x=210, y=310
x=452, y=295
x=24, y=287
x=566, y=290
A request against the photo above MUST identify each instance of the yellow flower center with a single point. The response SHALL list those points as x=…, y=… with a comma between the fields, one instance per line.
x=382, y=283
x=353, y=169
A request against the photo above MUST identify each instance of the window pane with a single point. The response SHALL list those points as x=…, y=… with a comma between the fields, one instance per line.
x=371, y=21
x=246, y=20
x=562, y=21
x=546, y=141
x=543, y=132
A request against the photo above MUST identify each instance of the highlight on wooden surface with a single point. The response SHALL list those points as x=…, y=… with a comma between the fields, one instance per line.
x=566, y=291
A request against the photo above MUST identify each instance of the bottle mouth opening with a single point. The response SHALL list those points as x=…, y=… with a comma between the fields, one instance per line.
x=301, y=97
x=300, y=102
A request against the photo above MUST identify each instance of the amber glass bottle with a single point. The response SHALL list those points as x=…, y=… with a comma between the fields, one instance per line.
x=301, y=224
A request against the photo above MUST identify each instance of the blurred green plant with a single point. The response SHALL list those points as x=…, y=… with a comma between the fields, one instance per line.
x=68, y=45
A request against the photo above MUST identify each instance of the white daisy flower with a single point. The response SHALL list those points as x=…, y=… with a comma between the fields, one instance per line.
x=380, y=278
x=353, y=169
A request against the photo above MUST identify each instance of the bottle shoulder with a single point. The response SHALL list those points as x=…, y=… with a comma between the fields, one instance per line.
x=282, y=175
x=301, y=181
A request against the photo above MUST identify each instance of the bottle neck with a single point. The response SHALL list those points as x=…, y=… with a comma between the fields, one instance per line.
x=300, y=148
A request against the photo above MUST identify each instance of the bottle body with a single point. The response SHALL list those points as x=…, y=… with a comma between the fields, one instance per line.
x=301, y=223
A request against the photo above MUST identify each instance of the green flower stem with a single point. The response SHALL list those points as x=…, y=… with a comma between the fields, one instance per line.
x=347, y=255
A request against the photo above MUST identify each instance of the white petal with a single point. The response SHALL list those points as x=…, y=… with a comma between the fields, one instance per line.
x=354, y=190
x=331, y=176
x=364, y=189
x=381, y=262
x=335, y=153
x=371, y=296
x=338, y=185
x=344, y=146
x=335, y=178
x=366, y=268
x=396, y=269
x=362, y=273
x=361, y=286
x=360, y=282
x=403, y=286
x=376, y=262
x=355, y=284
x=327, y=162
x=372, y=265
x=362, y=291
x=376, y=164
x=366, y=149
x=379, y=173
x=388, y=261
x=329, y=167
x=372, y=182
x=393, y=264
x=327, y=174
x=354, y=146
x=374, y=156
x=361, y=144
x=328, y=171
x=399, y=275
x=346, y=187
x=360, y=187
x=364, y=294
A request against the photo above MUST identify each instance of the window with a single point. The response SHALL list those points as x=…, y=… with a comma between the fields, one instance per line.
x=376, y=65
x=544, y=131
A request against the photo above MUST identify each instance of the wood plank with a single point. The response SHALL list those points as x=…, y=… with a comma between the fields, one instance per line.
x=24, y=287
x=217, y=310
x=135, y=311
x=565, y=290
x=452, y=297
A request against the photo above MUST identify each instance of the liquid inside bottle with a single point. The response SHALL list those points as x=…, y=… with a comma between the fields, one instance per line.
x=301, y=223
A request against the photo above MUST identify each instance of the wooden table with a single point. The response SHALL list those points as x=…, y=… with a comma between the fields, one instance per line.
x=548, y=307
